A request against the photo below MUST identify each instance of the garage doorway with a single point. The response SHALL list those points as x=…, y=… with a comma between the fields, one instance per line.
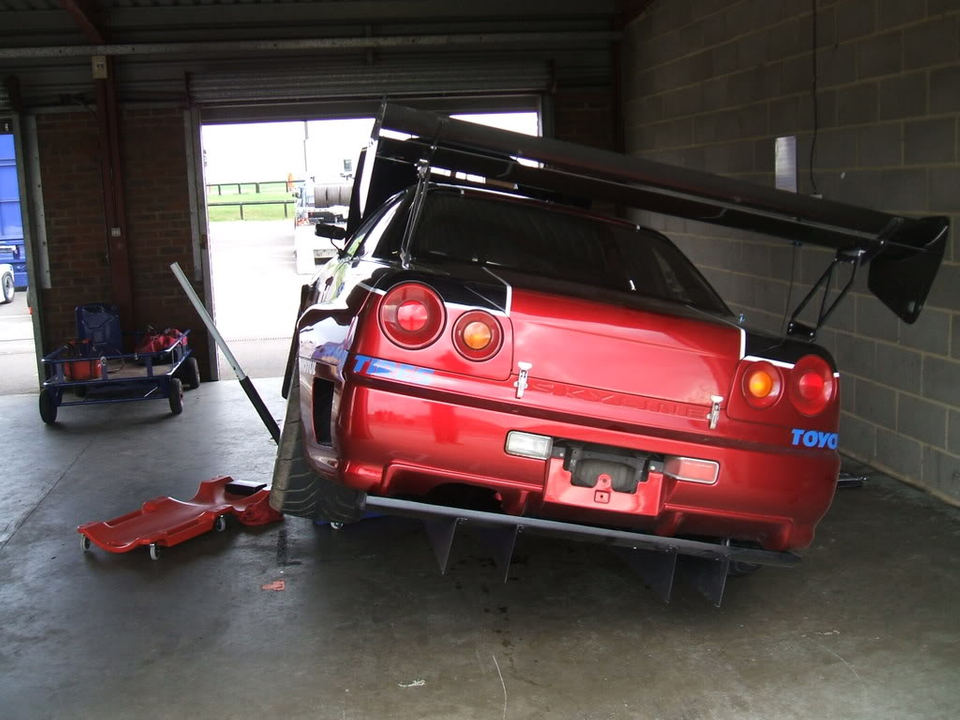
x=266, y=183
x=18, y=362
x=254, y=173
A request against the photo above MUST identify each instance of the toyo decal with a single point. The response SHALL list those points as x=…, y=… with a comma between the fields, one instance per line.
x=814, y=438
x=371, y=366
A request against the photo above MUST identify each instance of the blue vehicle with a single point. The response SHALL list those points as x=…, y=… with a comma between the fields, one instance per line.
x=13, y=258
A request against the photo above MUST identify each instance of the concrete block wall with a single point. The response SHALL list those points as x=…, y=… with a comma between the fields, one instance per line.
x=157, y=200
x=710, y=84
x=585, y=116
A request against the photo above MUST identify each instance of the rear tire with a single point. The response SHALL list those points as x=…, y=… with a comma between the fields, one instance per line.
x=296, y=489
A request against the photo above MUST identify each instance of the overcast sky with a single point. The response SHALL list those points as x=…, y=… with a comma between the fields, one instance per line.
x=268, y=151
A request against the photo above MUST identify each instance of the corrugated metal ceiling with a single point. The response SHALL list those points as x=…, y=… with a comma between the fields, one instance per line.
x=563, y=55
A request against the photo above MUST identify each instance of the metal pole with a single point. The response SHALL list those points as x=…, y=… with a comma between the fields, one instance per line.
x=245, y=381
x=306, y=136
x=111, y=172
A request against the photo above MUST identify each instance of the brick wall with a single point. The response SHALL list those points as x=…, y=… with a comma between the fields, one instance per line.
x=157, y=203
x=158, y=218
x=709, y=84
x=73, y=206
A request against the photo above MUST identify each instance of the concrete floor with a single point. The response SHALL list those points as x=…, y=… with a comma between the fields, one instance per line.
x=867, y=627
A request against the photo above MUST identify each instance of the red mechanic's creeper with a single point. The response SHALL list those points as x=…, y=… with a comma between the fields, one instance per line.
x=165, y=521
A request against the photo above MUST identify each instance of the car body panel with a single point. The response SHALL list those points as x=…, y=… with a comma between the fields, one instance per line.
x=608, y=370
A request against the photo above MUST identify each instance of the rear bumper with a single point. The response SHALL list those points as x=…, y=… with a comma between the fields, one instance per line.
x=394, y=441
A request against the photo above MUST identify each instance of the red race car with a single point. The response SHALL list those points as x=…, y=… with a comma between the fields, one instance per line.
x=487, y=350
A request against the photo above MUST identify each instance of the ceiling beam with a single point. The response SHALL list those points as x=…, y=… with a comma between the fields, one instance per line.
x=356, y=11
x=89, y=16
x=525, y=40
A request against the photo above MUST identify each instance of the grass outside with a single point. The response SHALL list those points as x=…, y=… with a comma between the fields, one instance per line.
x=272, y=192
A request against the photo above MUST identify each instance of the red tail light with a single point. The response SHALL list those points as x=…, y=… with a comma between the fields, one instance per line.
x=477, y=335
x=412, y=315
x=812, y=386
x=762, y=385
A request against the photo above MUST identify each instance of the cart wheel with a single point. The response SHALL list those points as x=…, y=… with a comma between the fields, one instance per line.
x=84, y=543
x=336, y=526
x=221, y=524
x=48, y=406
x=154, y=551
x=176, y=396
x=191, y=373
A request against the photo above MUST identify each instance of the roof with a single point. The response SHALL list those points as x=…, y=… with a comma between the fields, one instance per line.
x=159, y=43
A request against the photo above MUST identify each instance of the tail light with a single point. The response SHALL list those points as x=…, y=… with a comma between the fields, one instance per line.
x=762, y=385
x=477, y=335
x=812, y=386
x=412, y=316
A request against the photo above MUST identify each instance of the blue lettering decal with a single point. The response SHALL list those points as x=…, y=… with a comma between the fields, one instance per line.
x=388, y=368
x=361, y=361
x=407, y=372
x=382, y=367
x=814, y=438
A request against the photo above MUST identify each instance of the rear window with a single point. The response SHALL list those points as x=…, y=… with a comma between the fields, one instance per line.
x=559, y=245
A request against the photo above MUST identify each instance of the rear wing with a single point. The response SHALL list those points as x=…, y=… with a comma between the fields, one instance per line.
x=904, y=253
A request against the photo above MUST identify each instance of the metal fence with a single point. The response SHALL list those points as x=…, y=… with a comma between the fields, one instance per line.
x=256, y=184
x=285, y=203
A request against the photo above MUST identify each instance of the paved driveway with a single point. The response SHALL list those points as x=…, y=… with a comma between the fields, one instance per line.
x=256, y=292
x=18, y=369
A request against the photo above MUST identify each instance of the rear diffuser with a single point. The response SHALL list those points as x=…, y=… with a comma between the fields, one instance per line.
x=658, y=560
